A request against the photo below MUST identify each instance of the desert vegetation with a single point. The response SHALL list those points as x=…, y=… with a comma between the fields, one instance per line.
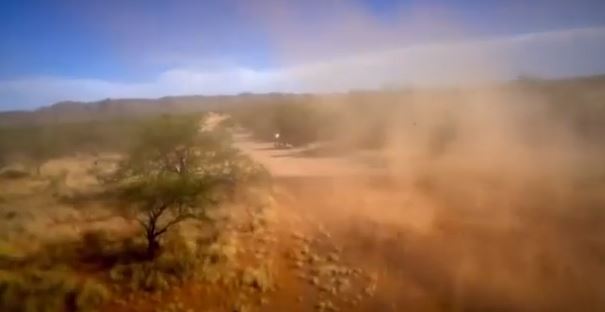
x=175, y=173
x=91, y=210
x=484, y=199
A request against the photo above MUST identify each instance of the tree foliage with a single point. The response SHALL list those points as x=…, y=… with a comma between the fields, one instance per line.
x=176, y=172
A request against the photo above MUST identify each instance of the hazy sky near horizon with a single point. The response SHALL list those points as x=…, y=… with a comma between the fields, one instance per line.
x=90, y=50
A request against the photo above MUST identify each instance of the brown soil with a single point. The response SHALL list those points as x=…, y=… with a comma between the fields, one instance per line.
x=418, y=244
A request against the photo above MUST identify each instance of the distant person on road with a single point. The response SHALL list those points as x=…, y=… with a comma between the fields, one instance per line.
x=278, y=141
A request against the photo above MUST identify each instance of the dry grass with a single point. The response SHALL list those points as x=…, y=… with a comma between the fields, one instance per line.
x=55, y=290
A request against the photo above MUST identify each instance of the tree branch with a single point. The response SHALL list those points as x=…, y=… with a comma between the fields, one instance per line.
x=143, y=224
x=174, y=221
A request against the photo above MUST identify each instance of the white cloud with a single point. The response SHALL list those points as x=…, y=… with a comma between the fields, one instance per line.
x=550, y=54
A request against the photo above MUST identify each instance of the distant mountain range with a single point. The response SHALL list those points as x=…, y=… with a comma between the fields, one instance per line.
x=71, y=111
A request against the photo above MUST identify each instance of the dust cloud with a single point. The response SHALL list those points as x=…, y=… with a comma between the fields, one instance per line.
x=486, y=199
x=484, y=196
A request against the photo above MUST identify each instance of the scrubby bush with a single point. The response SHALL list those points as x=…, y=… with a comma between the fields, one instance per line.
x=13, y=174
x=53, y=254
x=177, y=263
x=91, y=295
x=101, y=246
x=140, y=276
x=182, y=259
x=96, y=247
x=34, y=144
x=35, y=290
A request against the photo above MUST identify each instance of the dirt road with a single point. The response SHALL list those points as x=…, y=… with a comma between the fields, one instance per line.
x=340, y=187
x=440, y=243
x=356, y=209
x=293, y=162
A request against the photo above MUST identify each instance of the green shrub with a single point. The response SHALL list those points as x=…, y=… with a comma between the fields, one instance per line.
x=49, y=291
x=95, y=240
x=13, y=174
x=98, y=244
x=217, y=259
x=107, y=249
x=181, y=260
x=144, y=276
x=175, y=264
x=91, y=295
x=54, y=254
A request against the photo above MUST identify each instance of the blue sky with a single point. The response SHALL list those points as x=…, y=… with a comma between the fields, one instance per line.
x=52, y=50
